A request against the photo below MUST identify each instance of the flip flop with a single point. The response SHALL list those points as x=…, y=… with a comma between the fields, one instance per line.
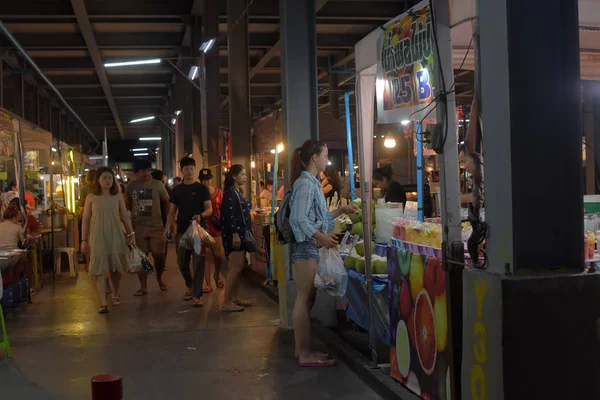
x=324, y=356
x=219, y=282
x=198, y=303
x=103, y=309
x=207, y=289
x=187, y=296
x=116, y=301
x=140, y=293
x=163, y=287
x=232, y=307
x=243, y=303
x=330, y=362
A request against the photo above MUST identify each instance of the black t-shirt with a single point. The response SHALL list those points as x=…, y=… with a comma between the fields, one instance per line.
x=395, y=193
x=189, y=200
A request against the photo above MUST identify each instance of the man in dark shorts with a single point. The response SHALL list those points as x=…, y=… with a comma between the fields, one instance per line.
x=145, y=198
x=189, y=201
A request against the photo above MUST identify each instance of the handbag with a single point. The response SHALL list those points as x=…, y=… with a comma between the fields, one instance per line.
x=248, y=241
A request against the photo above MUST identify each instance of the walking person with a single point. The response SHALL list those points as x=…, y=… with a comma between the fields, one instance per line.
x=145, y=199
x=214, y=228
x=103, y=240
x=190, y=201
x=311, y=225
x=236, y=220
x=158, y=175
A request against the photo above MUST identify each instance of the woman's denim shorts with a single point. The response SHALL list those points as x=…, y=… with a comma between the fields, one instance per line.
x=305, y=251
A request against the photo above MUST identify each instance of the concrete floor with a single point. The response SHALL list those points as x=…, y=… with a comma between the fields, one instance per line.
x=161, y=346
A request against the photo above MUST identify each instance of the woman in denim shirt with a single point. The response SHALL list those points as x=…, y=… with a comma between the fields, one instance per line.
x=311, y=225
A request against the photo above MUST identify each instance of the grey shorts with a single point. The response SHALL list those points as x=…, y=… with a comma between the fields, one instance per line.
x=305, y=251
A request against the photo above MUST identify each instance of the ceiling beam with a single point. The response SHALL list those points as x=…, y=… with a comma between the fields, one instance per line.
x=272, y=53
x=86, y=30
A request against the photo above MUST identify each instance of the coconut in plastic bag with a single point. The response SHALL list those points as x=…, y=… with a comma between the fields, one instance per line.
x=331, y=275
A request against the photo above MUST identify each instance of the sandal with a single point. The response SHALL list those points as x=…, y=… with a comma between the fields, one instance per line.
x=219, y=282
x=243, y=303
x=116, y=301
x=163, y=287
x=103, y=309
x=187, y=296
x=232, y=307
x=198, y=302
x=140, y=293
x=330, y=362
x=207, y=289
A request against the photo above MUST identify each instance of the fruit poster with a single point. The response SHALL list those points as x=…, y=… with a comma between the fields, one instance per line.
x=405, y=73
x=419, y=353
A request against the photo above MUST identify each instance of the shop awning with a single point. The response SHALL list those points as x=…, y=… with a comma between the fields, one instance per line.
x=32, y=136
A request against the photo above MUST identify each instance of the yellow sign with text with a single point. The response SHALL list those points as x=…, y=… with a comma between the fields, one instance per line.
x=478, y=385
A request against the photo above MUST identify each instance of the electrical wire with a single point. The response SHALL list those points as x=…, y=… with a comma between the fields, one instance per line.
x=444, y=93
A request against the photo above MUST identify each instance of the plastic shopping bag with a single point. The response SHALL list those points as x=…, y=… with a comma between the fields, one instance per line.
x=331, y=274
x=135, y=261
x=139, y=262
x=187, y=239
x=205, y=237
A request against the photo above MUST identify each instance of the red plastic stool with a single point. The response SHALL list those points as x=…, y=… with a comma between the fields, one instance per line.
x=107, y=387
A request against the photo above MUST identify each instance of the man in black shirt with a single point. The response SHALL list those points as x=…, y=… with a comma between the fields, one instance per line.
x=189, y=201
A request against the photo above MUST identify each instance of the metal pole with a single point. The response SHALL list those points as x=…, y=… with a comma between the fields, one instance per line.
x=420, y=170
x=367, y=199
x=273, y=205
x=166, y=124
x=349, y=136
x=183, y=74
x=16, y=43
x=22, y=96
x=105, y=149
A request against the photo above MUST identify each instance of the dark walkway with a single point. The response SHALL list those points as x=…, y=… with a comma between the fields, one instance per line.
x=163, y=348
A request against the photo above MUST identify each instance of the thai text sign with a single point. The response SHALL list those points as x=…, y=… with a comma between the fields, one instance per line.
x=406, y=66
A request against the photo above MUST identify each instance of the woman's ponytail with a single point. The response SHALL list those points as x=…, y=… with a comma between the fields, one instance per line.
x=302, y=157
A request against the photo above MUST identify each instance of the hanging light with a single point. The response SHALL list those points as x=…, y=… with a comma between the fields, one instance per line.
x=390, y=141
x=252, y=164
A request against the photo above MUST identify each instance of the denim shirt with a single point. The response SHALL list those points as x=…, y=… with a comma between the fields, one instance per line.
x=308, y=209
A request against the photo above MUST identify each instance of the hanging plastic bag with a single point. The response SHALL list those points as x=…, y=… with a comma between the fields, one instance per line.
x=196, y=239
x=139, y=262
x=205, y=237
x=135, y=261
x=187, y=239
x=331, y=274
x=147, y=266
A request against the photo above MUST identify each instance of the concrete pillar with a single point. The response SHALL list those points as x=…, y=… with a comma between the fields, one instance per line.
x=188, y=105
x=195, y=95
x=509, y=106
x=178, y=141
x=300, y=115
x=334, y=93
x=239, y=85
x=212, y=96
x=533, y=280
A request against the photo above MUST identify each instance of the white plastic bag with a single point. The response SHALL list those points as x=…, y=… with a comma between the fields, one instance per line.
x=331, y=274
x=135, y=261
